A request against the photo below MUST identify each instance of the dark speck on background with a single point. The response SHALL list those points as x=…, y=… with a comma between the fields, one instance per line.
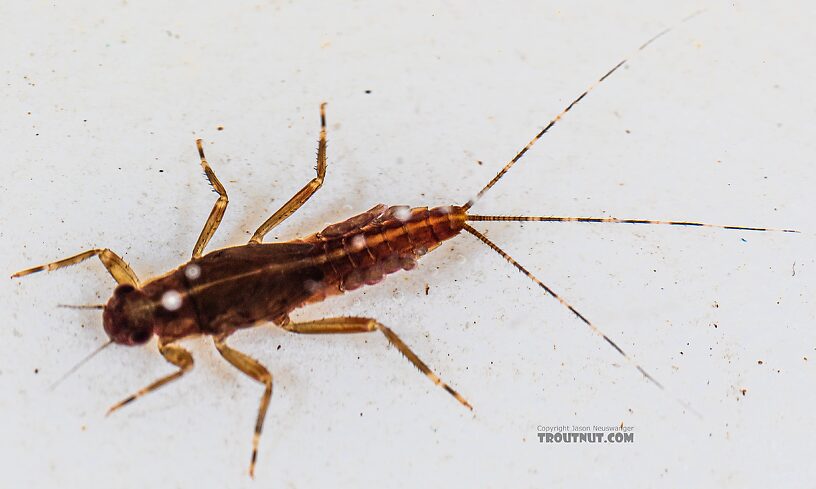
x=368, y=91
x=220, y=128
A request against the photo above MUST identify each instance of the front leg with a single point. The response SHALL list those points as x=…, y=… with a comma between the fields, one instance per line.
x=115, y=265
x=174, y=354
x=347, y=325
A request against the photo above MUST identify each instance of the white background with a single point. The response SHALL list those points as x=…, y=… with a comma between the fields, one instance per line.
x=102, y=101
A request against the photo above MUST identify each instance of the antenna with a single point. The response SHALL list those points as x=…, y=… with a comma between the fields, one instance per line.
x=81, y=363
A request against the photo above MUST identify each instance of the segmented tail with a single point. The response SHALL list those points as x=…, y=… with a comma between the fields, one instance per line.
x=577, y=314
x=569, y=107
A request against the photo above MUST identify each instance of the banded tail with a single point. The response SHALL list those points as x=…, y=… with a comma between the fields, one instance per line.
x=549, y=290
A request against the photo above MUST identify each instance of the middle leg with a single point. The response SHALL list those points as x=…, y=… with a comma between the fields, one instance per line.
x=254, y=369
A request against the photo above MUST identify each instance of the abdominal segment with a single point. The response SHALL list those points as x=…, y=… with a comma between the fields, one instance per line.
x=365, y=248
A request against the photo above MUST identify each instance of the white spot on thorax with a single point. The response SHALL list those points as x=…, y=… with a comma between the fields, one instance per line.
x=192, y=271
x=171, y=300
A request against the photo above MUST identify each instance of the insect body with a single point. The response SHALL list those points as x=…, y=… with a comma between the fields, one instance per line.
x=238, y=287
x=241, y=286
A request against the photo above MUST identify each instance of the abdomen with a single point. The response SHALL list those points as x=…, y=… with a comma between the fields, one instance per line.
x=363, y=249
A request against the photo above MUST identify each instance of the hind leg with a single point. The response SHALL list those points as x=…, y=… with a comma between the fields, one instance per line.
x=348, y=325
x=217, y=212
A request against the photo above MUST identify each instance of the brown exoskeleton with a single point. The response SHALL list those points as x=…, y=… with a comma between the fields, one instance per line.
x=239, y=287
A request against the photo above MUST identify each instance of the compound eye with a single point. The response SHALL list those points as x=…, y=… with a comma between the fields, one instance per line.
x=123, y=289
x=140, y=336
